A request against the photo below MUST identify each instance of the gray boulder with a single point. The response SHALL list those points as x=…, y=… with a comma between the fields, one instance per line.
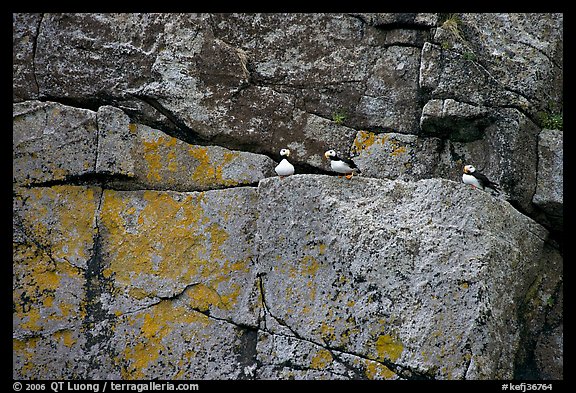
x=412, y=275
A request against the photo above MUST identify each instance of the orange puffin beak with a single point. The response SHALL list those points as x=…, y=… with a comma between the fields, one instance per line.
x=465, y=170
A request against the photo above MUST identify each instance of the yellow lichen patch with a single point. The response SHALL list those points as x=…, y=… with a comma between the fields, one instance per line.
x=39, y=297
x=172, y=162
x=158, y=330
x=157, y=153
x=165, y=241
x=138, y=293
x=363, y=141
x=202, y=297
x=61, y=173
x=229, y=157
x=217, y=238
x=23, y=352
x=66, y=337
x=162, y=238
x=376, y=370
x=327, y=332
x=77, y=222
x=31, y=321
x=62, y=219
x=209, y=169
x=229, y=299
x=309, y=265
x=388, y=348
x=398, y=150
x=321, y=359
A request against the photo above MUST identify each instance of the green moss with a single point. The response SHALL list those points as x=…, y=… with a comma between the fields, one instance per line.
x=552, y=121
x=339, y=117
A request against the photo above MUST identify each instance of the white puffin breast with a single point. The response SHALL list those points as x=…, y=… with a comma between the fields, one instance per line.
x=340, y=167
x=284, y=168
x=469, y=179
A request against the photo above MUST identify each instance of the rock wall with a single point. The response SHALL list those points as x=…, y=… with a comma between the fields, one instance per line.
x=152, y=238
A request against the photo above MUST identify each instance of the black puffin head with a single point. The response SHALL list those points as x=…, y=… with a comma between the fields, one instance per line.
x=331, y=154
x=285, y=152
x=469, y=169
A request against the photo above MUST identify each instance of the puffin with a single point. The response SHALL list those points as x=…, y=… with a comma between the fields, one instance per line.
x=284, y=168
x=341, y=165
x=476, y=179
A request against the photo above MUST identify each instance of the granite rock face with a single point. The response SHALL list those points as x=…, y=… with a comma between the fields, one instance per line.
x=54, y=142
x=549, y=194
x=407, y=274
x=153, y=239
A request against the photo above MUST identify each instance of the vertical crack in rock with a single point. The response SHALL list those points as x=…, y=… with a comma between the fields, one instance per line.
x=247, y=352
x=264, y=308
x=34, y=48
x=98, y=323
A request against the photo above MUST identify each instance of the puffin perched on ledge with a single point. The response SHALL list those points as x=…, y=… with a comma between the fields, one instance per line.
x=478, y=180
x=341, y=165
x=284, y=168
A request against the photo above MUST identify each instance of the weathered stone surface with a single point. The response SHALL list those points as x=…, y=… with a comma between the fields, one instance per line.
x=402, y=19
x=506, y=154
x=285, y=357
x=241, y=90
x=499, y=59
x=549, y=354
x=549, y=194
x=393, y=271
x=52, y=249
x=116, y=140
x=396, y=156
x=119, y=280
x=391, y=98
x=455, y=120
x=162, y=162
x=174, y=341
x=138, y=251
x=52, y=141
x=158, y=244
x=542, y=315
x=24, y=32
